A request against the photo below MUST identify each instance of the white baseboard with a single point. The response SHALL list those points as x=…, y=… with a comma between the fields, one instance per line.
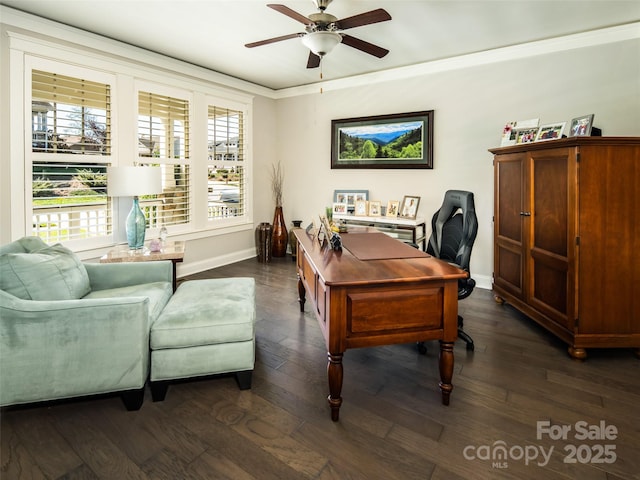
x=483, y=281
x=185, y=269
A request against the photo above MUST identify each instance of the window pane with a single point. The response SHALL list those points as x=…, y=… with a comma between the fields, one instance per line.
x=226, y=174
x=163, y=134
x=171, y=207
x=163, y=126
x=70, y=201
x=70, y=115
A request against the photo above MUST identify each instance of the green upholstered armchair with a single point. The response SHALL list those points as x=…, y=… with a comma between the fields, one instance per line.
x=69, y=328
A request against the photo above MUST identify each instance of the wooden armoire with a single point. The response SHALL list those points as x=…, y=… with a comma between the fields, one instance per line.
x=567, y=238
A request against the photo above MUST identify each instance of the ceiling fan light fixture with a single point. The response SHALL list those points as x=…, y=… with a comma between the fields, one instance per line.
x=321, y=43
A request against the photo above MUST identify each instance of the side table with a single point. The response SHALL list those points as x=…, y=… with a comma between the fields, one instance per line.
x=407, y=230
x=173, y=251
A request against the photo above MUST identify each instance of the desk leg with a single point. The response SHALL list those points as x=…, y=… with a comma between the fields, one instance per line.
x=334, y=371
x=446, y=370
x=301, y=293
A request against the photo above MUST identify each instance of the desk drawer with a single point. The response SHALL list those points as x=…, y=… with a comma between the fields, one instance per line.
x=321, y=300
x=309, y=277
x=386, y=311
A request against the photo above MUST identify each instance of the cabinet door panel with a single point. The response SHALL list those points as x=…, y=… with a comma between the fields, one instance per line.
x=508, y=229
x=550, y=286
x=549, y=214
x=548, y=263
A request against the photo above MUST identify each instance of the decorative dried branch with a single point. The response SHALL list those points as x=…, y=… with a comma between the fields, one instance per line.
x=277, y=181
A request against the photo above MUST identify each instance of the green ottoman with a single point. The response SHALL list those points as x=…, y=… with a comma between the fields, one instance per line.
x=207, y=328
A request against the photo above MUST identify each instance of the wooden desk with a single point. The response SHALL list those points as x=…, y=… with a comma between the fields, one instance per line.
x=367, y=302
x=173, y=251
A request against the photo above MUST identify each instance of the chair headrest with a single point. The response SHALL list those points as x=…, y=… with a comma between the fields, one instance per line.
x=455, y=199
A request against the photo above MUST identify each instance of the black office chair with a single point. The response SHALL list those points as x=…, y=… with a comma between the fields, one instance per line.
x=454, y=228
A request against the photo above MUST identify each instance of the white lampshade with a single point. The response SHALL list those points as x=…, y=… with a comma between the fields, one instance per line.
x=133, y=181
x=321, y=43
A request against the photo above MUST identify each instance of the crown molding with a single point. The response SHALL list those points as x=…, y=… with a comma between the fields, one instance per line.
x=592, y=38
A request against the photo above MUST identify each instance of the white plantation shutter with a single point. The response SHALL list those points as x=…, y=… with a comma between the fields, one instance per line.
x=70, y=115
x=71, y=147
x=163, y=140
x=227, y=179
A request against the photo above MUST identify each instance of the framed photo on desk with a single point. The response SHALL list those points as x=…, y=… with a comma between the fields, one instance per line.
x=350, y=197
x=362, y=208
x=392, y=208
x=409, y=207
x=374, y=209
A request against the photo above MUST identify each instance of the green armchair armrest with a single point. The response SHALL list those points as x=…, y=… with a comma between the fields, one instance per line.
x=67, y=348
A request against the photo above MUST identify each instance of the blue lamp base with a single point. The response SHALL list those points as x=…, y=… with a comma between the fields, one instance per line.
x=136, y=226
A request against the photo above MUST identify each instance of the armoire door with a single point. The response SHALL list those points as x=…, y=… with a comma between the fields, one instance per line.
x=509, y=234
x=550, y=262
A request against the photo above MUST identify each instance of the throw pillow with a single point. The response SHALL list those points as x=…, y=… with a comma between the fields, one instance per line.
x=25, y=244
x=51, y=273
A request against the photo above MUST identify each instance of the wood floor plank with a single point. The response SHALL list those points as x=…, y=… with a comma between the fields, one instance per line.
x=55, y=456
x=17, y=461
x=215, y=465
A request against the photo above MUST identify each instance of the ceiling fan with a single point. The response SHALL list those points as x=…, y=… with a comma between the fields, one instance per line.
x=324, y=31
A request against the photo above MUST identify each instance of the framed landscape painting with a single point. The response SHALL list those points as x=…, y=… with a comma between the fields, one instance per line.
x=401, y=140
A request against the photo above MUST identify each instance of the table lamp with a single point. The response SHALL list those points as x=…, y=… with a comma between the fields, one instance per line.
x=132, y=182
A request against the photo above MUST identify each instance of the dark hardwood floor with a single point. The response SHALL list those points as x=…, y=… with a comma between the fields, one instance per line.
x=392, y=423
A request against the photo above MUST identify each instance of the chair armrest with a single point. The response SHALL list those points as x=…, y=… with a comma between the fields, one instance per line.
x=66, y=348
x=17, y=313
x=103, y=276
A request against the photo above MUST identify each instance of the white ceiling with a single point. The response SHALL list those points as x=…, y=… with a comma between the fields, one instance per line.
x=212, y=33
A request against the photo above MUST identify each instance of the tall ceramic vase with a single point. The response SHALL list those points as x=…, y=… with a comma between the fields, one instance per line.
x=279, y=235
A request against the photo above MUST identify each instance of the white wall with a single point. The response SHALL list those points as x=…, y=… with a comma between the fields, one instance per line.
x=471, y=106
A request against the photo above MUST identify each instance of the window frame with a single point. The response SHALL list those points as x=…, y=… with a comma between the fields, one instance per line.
x=247, y=165
x=32, y=63
x=187, y=160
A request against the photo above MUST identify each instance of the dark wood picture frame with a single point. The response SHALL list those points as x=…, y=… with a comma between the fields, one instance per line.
x=400, y=140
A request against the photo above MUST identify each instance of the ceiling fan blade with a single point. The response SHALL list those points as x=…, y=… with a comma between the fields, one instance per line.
x=273, y=40
x=290, y=13
x=366, y=47
x=313, y=61
x=367, y=18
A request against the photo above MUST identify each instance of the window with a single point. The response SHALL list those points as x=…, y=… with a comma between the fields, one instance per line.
x=89, y=113
x=71, y=147
x=226, y=173
x=163, y=139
